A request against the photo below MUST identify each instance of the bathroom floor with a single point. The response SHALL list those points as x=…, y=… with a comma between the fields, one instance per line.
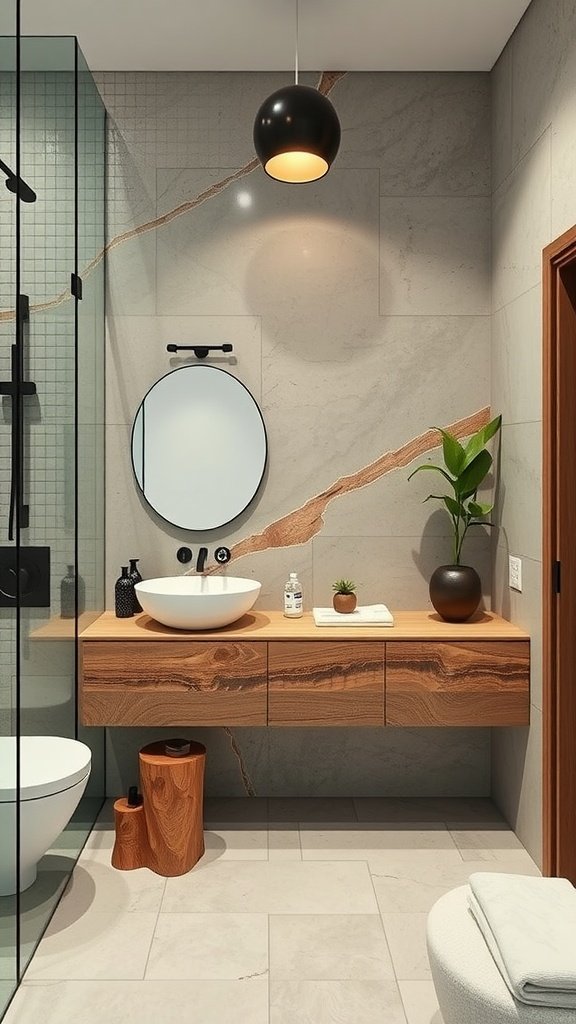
x=301, y=912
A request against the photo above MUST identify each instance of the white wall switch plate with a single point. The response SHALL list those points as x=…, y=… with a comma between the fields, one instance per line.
x=514, y=572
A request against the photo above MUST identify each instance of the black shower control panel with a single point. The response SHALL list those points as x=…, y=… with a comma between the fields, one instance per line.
x=34, y=570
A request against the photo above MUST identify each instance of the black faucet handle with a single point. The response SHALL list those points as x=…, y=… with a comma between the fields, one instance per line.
x=201, y=560
x=222, y=555
x=184, y=555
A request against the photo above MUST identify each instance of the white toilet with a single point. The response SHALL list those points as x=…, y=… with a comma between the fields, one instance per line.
x=53, y=776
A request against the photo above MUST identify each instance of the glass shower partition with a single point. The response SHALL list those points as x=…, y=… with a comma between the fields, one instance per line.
x=8, y=612
x=53, y=514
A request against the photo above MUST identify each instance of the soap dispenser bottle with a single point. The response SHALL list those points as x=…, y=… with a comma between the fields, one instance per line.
x=124, y=595
x=293, y=601
x=68, y=594
x=136, y=578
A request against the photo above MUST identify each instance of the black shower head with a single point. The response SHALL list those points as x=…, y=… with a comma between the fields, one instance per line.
x=17, y=185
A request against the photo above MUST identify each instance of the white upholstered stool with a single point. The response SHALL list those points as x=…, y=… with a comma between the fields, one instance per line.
x=469, y=986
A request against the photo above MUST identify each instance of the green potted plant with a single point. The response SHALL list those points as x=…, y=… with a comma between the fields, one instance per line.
x=344, y=599
x=455, y=590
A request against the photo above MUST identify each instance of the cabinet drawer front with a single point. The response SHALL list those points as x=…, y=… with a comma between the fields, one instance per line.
x=483, y=683
x=323, y=683
x=173, y=683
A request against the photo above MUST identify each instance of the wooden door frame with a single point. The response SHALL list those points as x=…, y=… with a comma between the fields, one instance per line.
x=557, y=256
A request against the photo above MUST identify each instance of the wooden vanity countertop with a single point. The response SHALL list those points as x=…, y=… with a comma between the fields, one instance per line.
x=261, y=625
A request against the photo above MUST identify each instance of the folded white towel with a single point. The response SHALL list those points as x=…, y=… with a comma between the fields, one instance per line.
x=529, y=925
x=365, y=615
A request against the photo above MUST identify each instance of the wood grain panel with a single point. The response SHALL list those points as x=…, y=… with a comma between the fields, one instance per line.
x=326, y=683
x=460, y=684
x=164, y=683
x=272, y=625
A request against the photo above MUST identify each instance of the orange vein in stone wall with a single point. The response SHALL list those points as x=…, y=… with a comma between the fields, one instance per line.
x=328, y=80
x=305, y=522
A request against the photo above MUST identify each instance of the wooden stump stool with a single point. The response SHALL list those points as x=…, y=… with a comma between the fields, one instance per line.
x=166, y=832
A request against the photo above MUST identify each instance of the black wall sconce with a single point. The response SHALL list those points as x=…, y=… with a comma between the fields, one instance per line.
x=200, y=351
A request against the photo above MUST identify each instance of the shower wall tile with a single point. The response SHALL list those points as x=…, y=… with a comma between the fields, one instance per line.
x=357, y=307
x=392, y=570
x=519, y=490
x=434, y=255
x=137, y=355
x=428, y=133
x=292, y=762
x=517, y=357
x=258, y=248
x=521, y=225
x=366, y=374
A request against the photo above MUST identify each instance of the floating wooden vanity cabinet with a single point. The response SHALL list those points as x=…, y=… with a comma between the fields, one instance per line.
x=461, y=683
x=268, y=670
x=325, y=683
x=173, y=683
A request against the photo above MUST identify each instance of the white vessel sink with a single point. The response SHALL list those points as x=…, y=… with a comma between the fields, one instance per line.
x=197, y=602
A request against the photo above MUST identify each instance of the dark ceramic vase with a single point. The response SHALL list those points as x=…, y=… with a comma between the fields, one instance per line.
x=135, y=576
x=455, y=592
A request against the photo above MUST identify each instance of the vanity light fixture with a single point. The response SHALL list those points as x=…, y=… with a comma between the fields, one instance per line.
x=200, y=351
x=296, y=132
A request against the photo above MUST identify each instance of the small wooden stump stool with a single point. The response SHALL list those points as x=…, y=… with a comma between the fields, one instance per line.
x=166, y=832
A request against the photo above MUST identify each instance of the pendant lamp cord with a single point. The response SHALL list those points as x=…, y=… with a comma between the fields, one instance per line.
x=296, y=69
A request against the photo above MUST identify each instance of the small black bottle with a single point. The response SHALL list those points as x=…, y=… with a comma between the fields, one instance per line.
x=124, y=595
x=136, y=578
x=68, y=594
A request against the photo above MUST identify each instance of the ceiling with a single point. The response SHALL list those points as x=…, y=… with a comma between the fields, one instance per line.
x=258, y=35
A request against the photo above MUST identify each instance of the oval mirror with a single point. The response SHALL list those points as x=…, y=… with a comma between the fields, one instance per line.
x=199, y=447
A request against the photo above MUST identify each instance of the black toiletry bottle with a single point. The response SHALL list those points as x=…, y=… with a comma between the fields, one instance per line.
x=136, y=578
x=124, y=595
x=68, y=594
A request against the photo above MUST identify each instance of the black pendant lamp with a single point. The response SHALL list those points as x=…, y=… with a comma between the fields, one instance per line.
x=296, y=132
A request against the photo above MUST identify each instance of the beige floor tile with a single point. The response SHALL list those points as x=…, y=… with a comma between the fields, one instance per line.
x=406, y=885
x=284, y=841
x=95, y=944
x=406, y=935
x=360, y=843
x=420, y=1003
x=490, y=844
x=96, y=884
x=246, y=809
x=101, y=838
x=440, y=809
x=138, y=1002
x=329, y=947
x=235, y=841
x=328, y=1002
x=209, y=946
x=311, y=809
x=276, y=888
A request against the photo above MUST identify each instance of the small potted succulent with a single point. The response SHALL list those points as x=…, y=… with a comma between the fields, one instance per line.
x=344, y=599
x=456, y=589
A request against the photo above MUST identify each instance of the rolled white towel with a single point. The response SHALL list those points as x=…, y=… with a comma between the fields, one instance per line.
x=529, y=925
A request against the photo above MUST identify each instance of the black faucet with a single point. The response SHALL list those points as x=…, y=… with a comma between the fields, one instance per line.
x=201, y=560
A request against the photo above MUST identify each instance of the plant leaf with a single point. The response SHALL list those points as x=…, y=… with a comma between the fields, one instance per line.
x=453, y=451
x=477, y=509
x=492, y=428
x=479, y=440
x=471, y=477
x=437, y=469
x=453, y=506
